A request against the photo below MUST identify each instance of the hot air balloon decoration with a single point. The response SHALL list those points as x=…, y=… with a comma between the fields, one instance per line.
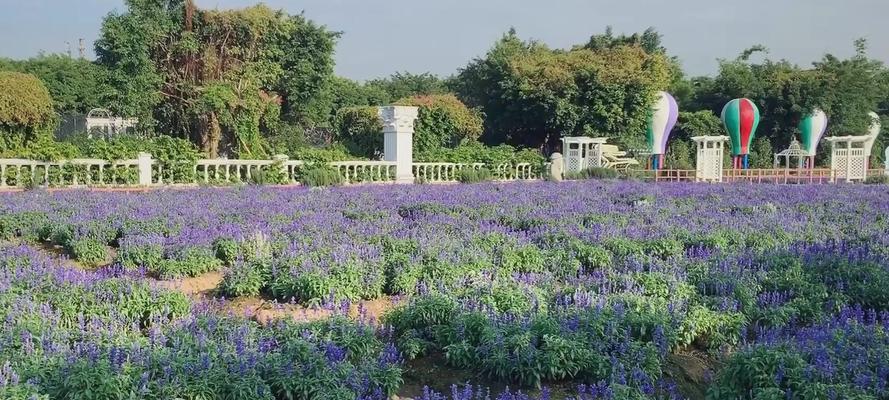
x=740, y=118
x=812, y=128
x=875, y=125
x=664, y=115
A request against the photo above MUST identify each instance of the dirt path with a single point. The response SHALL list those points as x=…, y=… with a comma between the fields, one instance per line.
x=200, y=286
x=264, y=311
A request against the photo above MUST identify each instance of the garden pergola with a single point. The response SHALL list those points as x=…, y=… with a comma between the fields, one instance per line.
x=794, y=151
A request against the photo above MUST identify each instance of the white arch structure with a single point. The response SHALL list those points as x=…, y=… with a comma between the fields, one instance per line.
x=104, y=121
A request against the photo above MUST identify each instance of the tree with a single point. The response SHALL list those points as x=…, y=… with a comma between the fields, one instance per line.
x=76, y=85
x=26, y=110
x=845, y=89
x=699, y=123
x=340, y=93
x=443, y=121
x=761, y=153
x=360, y=130
x=532, y=95
x=680, y=154
x=25, y=103
x=402, y=85
x=218, y=77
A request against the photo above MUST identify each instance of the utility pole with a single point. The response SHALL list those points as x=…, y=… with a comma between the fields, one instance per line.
x=68, y=47
x=82, y=50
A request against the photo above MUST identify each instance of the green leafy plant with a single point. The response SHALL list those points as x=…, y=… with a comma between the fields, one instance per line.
x=320, y=175
x=474, y=175
x=245, y=278
x=593, y=173
x=88, y=251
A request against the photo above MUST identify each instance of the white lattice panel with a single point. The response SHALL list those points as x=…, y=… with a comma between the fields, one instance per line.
x=573, y=164
x=857, y=167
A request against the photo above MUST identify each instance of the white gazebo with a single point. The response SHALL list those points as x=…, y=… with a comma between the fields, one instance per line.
x=582, y=152
x=795, y=153
x=709, y=157
x=106, y=123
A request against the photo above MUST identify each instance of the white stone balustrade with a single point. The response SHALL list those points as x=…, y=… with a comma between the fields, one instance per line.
x=517, y=172
x=17, y=172
x=224, y=170
x=366, y=171
x=441, y=172
x=144, y=171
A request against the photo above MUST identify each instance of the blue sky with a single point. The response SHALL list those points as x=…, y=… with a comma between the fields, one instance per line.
x=384, y=36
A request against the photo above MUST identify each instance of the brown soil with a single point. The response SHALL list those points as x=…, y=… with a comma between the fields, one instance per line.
x=691, y=371
x=198, y=286
x=433, y=372
x=59, y=253
x=265, y=311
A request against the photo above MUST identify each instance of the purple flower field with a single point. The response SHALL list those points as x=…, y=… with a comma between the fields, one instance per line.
x=590, y=290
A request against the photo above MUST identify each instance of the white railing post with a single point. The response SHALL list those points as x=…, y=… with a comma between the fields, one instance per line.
x=398, y=137
x=144, y=162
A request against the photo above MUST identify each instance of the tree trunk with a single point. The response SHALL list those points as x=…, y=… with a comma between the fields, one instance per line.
x=211, y=134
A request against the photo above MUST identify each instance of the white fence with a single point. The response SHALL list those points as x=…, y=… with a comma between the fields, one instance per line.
x=147, y=172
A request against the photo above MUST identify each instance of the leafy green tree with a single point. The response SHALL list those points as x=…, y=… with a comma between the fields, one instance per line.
x=532, y=95
x=761, y=153
x=845, y=89
x=698, y=123
x=680, y=154
x=340, y=93
x=401, y=85
x=443, y=121
x=218, y=77
x=26, y=117
x=25, y=103
x=76, y=85
x=360, y=130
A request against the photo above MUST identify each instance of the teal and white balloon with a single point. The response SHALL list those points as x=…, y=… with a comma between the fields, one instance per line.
x=812, y=128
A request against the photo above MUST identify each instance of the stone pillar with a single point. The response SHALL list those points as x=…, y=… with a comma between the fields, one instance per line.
x=398, y=140
x=556, y=167
x=145, y=163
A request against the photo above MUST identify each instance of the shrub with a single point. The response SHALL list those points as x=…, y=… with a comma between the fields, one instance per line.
x=593, y=173
x=245, y=278
x=443, y=121
x=186, y=262
x=877, y=180
x=25, y=104
x=474, y=175
x=475, y=152
x=88, y=251
x=226, y=249
x=320, y=175
x=141, y=251
x=322, y=154
x=360, y=130
x=271, y=175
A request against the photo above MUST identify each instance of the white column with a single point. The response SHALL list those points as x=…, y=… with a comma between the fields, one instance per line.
x=145, y=162
x=398, y=140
